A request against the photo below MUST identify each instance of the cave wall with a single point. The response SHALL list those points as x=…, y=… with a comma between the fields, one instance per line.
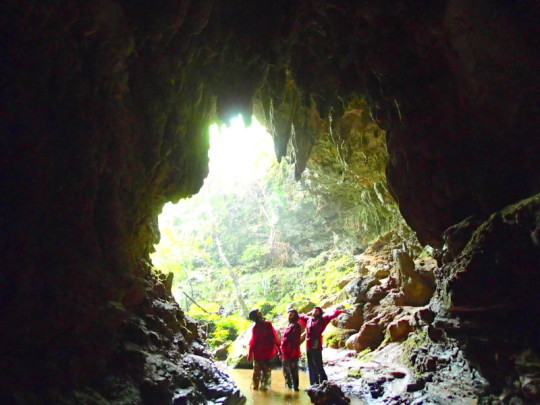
x=454, y=84
x=103, y=121
x=473, y=151
x=105, y=111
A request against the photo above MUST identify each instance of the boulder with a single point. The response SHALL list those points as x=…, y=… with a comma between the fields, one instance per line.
x=358, y=288
x=394, y=298
x=239, y=350
x=425, y=315
x=327, y=393
x=337, y=338
x=399, y=329
x=302, y=306
x=417, y=287
x=457, y=236
x=370, y=311
x=383, y=272
x=351, y=319
x=343, y=282
x=370, y=336
x=222, y=352
x=329, y=301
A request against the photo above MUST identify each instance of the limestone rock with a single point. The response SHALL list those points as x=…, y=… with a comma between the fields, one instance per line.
x=382, y=273
x=394, y=297
x=457, y=236
x=239, y=350
x=327, y=393
x=500, y=257
x=350, y=319
x=370, y=336
x=106, y=110
x=337, y=338
x=330, y=301
x=358, y=288
x=418, y=288
x=399, y=329
x=303, y=307
x=222, y=352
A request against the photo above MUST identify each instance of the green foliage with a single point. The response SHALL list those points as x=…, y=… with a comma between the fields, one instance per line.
x=326, y=271
x=336, y=337
x=254, y=256
x=282, y=240
x=219, y=327
x=365, y=355
x=355, y=373
x=414, y=341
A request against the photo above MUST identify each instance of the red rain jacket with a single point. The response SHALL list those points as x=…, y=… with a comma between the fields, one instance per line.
x=290, y=341
x=315, y=327
x=264, y=342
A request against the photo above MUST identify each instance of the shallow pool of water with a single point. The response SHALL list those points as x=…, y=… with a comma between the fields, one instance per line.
x=278, y=392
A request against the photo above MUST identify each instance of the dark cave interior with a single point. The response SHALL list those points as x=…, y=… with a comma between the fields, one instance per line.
x=105, y=113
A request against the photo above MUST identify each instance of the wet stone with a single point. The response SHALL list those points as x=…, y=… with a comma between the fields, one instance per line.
x=327, y=393
x=416, y=386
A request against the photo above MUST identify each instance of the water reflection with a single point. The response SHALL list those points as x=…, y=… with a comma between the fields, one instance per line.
x=278, y=392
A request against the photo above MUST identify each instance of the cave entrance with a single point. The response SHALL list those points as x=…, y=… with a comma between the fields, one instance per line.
x=206, y=238
x=253, y=237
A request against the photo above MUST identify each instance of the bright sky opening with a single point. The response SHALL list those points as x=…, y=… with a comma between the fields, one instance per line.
x=239, y=154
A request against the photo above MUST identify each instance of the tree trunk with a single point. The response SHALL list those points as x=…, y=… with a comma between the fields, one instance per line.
x=234, y=276
x=195, y=302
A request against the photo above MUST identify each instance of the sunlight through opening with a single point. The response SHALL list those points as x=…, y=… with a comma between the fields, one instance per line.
x=253, y=237
x=239, y=156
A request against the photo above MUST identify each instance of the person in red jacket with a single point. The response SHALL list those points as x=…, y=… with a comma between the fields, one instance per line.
x=315, y=323
x=264, y=344
x=290, y=349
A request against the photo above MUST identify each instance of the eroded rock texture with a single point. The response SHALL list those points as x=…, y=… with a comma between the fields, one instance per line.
x=103, y=121
x=490, y=301
x=105, y=111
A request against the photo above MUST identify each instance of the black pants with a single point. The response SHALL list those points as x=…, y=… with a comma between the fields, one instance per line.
x=315, y=366
x=290, y=372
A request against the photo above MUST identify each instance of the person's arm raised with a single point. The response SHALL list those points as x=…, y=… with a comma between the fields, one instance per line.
x=333, y=315
x=302, y=319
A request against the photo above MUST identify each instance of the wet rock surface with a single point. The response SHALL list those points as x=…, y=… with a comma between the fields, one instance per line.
x=497, y=324
x=387, y=376
x=161, y=359
x=327, y=393
x=467, y=345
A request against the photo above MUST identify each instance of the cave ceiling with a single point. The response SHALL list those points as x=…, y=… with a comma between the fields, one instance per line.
x=451, y=86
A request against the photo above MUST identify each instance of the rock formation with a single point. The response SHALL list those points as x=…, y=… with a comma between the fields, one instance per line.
x=105, y=114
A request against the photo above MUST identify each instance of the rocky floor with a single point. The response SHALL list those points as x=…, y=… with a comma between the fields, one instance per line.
x=382, y=378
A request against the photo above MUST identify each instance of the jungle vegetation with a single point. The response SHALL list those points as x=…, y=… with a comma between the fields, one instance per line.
x=254, y=237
